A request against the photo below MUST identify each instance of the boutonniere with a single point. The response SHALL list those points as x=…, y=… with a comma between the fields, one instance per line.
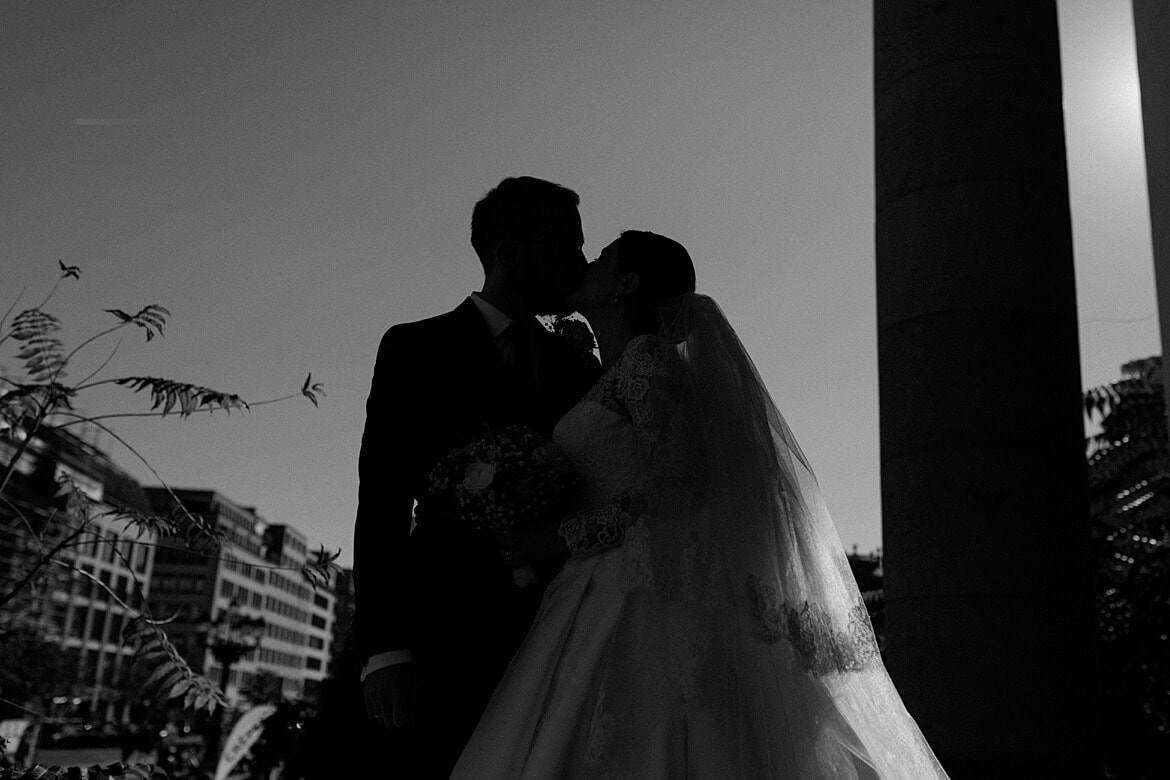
x=576, y=331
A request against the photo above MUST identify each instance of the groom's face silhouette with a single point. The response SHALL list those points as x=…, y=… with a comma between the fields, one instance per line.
x=553, y=262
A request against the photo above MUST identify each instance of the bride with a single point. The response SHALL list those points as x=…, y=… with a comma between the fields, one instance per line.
x=707, y=623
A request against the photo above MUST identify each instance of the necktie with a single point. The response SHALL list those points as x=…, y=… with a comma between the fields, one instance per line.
x=518, y=338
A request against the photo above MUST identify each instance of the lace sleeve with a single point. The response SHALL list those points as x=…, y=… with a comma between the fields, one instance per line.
x=640, y=388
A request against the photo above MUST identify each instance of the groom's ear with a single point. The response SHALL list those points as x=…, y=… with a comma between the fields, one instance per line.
x=629, y=283
x=506, y=253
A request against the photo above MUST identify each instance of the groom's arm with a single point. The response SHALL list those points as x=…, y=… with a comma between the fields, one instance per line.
x=381, y=584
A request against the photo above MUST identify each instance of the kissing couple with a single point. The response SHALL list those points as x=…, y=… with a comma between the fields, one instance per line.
x=693, y=613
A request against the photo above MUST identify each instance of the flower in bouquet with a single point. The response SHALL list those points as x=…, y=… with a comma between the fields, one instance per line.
x=506, y=478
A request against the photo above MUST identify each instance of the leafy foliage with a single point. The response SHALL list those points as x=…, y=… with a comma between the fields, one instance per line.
x=1129, y=482
x=33, y=668
x=69, y=271
x=31, y=410
x=43, y=354
x=172, y=677
x=152, y=319
x=21, y=404
x=114, y=771
x=311, y=389
x=321, y=568
x=192, y=531
x=190, y=398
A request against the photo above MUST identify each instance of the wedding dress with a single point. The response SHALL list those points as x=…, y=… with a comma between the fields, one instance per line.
x=707, y=624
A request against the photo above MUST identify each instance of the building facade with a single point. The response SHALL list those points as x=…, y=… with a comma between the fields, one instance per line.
x=258, y=570
x=294, y=601
x=83, y=611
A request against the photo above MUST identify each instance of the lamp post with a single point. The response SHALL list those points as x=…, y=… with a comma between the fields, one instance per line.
x=229, y=637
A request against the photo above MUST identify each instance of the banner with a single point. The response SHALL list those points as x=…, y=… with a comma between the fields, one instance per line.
x=10, y=733
x=244, y=735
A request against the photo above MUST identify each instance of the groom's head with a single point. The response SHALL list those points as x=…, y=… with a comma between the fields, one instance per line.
x=527, y=234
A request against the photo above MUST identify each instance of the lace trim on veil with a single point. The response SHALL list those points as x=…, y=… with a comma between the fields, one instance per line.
x=823, y=647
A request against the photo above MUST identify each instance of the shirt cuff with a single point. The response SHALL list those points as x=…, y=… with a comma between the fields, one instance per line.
x=382, y=660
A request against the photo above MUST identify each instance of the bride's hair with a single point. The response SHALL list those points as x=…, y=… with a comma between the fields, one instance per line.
x=664, y=268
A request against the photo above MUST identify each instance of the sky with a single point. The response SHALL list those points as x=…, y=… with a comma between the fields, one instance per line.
x=290, y=179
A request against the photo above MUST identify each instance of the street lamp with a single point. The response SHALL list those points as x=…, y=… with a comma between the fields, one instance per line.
x=229, y=637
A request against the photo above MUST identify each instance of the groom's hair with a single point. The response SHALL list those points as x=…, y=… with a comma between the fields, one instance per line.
x=515, y=209
x=663, y=265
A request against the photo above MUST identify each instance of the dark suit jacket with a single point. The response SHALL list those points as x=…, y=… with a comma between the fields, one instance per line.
x=441, y=591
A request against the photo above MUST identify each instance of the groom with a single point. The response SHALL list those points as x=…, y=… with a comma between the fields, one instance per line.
x=438, y=615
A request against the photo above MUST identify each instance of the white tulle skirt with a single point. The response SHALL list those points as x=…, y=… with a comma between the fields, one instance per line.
x=615, y=680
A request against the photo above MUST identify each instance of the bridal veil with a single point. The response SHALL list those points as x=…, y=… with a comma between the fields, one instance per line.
x=746, y=638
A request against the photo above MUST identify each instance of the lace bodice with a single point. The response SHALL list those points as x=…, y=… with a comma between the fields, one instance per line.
x=611, y=435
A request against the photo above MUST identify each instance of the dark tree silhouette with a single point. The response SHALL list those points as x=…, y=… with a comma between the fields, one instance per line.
x=1129, y=478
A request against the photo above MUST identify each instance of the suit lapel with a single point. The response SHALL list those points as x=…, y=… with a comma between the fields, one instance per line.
x=491, y=388
x=501, y=399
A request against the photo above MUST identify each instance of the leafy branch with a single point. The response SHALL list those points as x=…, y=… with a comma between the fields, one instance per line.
x=32, y=408
x=152, y=319
x=166, y=393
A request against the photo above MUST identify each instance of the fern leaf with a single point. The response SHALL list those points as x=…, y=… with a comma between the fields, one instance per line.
x=69, y=271
x=43, y=354
x=166, y=393
x=152, y=319
x=310, y=389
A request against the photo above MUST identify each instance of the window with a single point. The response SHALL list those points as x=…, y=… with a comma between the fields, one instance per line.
x=313, y=664
x=108, y=547
x=57, y=617
x=87, y=585
x=116, y=628
x=257, y=601
x=225, y=589
x=140, y=553
x=321, y=601
x=318, y=621
x=316, y=643
x=75, y=622
x=89, y=668
x=97, y=625
x=102, y=593
x=109, y=665
x=120, y=586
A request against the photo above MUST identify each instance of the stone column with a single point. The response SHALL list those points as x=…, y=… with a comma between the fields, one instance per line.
x=1151, y=21
x=989, y=620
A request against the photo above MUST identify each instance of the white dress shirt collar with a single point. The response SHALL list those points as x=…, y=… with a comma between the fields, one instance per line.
x=496, y=320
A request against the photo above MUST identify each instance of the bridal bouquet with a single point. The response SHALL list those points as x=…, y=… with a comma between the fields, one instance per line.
x=507, y=478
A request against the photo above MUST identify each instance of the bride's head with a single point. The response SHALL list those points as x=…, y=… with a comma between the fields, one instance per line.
x=632, y=278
